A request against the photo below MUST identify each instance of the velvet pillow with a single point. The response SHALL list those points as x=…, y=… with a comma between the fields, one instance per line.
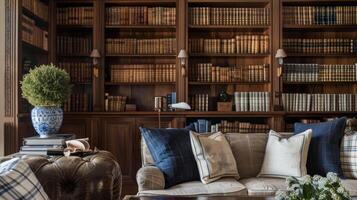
x=324, y=150
x=172, y=153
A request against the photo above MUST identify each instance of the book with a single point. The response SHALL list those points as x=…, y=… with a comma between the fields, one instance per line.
x=41, y=147
x=240, y=44
x=252, y=101
x=320, y=15
x=140, y=15
x=204, y=16
x=56, y=139
x=125, y=46
x=80, y=15
x=37, y=7
x=49, y=152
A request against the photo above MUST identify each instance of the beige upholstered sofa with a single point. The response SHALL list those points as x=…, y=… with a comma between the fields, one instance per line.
x=248, y=150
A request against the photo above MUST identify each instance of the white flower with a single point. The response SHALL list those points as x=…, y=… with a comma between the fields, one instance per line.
x=306, y=179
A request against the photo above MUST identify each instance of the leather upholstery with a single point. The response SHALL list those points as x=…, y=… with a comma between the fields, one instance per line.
x=96, y=176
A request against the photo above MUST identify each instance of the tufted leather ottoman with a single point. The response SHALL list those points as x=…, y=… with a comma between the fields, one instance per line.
x=95, y=177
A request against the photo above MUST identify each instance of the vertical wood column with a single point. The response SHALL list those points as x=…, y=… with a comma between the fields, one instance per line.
x=12, y=75
x=99, y=43
x=276, y=37
x=181, y=37
x=52, y=32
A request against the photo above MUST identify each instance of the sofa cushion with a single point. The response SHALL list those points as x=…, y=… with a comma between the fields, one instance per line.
x=172, y=153
x=248, y=150
x=17, y=181
x=224, y=186
x=351, y=186
x=150, y=178
x=263, y=186
x=214, y=156
x=348, y=155
x=286, y=157
x=324, y=151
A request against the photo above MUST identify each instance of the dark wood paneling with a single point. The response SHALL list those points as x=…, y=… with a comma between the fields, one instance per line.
x=118, y=137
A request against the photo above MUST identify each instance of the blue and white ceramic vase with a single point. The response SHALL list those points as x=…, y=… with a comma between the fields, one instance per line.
x=47, y=120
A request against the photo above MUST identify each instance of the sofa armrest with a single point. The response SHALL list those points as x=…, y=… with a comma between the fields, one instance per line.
x=150, y=178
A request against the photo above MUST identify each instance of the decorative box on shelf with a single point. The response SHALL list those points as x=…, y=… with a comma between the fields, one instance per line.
x=224, y=106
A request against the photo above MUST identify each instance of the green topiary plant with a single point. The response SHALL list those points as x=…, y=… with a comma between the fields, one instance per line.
x=46, y=85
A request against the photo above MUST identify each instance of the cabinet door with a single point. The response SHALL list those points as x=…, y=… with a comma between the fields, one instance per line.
x=117, y=136
x=78, y=126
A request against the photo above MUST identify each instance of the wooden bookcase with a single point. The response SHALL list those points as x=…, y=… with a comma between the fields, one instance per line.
x=323, y=69
x=243, y=68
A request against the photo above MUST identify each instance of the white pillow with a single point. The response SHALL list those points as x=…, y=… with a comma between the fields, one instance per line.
x=286, y=157
x=214, y=156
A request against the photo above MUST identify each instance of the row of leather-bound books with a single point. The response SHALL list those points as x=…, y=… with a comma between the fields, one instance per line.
x=317, y=45
x=310, y=72
x=241, y=44
x=207, y=72
x=239, y=127
x=32, y=34
x=199, y=102
x=37, y=7
x=141, y=46
x=320, y=15
x=145, y=73
x=75, y=15
x=203, y=16
x=319, y=102
x=252, y=101
x=74, y=44
x=140, y=15
x=80, y=72
x=78, y=102
x=114, y=103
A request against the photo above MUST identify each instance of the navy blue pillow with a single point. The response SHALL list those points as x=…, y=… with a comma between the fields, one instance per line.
x=324, y=150
x=172, y=153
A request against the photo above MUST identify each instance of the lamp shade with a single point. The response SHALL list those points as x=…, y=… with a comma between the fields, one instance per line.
x=95, y=54
x=280, y=53
x=182, y=54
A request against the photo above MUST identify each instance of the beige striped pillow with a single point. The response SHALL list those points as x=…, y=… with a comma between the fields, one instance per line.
x=214, y=156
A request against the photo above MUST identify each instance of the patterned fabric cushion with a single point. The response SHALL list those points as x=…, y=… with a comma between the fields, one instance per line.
x=214, y=156
x=324, y=151
x=172, y=153
x=17, y=181
x=146, y=158
x=348, y=155
x=286, y=157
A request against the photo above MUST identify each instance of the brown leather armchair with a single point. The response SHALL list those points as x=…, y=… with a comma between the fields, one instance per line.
x=95, y=177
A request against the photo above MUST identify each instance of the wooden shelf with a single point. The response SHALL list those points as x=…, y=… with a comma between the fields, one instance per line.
x=321, y=83
x=227, y=55
x=318, y=27
x=139, y=55
x=68, y=27
x=226, y=83
x=140, y=27
x=29, y=47
x=74, y=55
x=319, y=114
x=229, y=27
x=140, y=83
x=38, y=20
x=321, y=55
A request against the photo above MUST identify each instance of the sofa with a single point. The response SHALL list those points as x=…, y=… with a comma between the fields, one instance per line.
x=248, y=150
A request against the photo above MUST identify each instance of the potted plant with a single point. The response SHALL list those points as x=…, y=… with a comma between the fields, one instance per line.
x=46, y=88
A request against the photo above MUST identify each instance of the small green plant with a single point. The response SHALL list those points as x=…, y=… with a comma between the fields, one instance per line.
x=316, y=188
x=46, y=85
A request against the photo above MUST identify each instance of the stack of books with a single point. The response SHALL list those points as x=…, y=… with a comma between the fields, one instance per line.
x=52, y=145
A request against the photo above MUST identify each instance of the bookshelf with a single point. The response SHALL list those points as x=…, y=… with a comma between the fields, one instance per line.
x=319, y=78
x=140, y=53
x=74, y=43
x=34, y=26
x=232, y=51
x=229, y=44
